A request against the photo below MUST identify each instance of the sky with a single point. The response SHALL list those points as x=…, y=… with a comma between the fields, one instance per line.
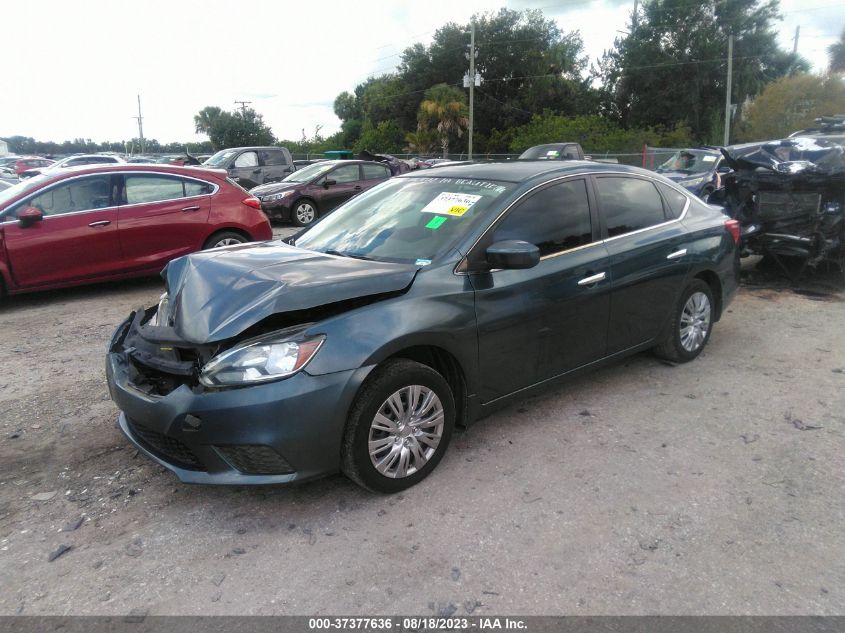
x=77, y=67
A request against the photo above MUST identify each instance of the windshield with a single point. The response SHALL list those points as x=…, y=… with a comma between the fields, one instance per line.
x=689, y=162
x=549, y=152
x=21, y=187
x=220, y=158
x=307, y=173
x=406, y=220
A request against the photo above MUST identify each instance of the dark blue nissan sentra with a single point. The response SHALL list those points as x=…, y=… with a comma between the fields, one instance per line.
x=429, y=301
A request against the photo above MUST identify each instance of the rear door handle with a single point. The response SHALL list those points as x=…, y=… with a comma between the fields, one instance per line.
x=592, y=279
x=677, y=254
x=192, y=208
x=357, y=187
x=100, y=223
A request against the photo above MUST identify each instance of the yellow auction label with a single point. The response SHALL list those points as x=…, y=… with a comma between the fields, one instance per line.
x=457, y=210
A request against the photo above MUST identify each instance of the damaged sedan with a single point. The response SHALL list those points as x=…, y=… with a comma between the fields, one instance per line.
x=788, y=196
x=424, y=303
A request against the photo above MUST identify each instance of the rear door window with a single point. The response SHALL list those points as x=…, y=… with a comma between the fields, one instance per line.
x=143, y=188
x=628, y=204
x=373, y=172
x=273, y=157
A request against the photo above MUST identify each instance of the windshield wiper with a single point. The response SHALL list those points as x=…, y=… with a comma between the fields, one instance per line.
x=352, y=255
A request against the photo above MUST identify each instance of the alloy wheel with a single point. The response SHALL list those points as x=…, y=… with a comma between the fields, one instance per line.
x=305, y=213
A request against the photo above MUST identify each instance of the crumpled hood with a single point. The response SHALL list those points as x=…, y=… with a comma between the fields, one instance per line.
x=217, y=294
x=273, y=187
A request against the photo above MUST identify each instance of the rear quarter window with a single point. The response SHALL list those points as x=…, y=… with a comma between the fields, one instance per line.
x=675, y=200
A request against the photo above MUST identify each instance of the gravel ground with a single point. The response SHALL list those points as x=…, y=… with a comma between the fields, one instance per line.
x=714, y=487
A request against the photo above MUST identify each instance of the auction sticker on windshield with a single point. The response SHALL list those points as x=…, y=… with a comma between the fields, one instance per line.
x=448, y=203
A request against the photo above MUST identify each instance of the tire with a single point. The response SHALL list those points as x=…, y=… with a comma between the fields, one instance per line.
x=691, y=326
x=224, y=238
x=304, y=212
x=396, y=448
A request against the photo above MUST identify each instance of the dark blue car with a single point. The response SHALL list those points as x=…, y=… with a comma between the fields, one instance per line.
x=427, y=302
x=698, y=171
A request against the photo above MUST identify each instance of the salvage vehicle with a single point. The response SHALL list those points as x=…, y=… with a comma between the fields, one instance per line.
x=103, y=222
x=788, y=196
x=425, y=302
x=553, y=151
x=316, y=189
x=699, y=171
x=253, y=166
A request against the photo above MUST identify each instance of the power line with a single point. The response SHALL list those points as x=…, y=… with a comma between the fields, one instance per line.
x=244, y=104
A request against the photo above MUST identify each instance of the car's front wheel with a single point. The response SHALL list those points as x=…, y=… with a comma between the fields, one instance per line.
x=692, y=323
x=304, y=212
x=399, y=426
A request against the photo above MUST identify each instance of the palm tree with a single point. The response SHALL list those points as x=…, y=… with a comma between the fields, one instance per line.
x=205, y=119
x=837, y=55
x=444, y=105
x=421, y=142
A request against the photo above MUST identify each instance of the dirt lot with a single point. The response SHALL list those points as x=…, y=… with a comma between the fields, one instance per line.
x=714, y=487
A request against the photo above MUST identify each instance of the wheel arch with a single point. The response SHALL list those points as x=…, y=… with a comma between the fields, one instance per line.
x=712, y=279
x=228, y=229
x=445, y=364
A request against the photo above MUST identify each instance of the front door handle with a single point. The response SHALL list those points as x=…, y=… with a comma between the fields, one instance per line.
x=677, y=254
x=592, y=279
x=357, y=187
x=191, y=208
x=256, y=171
x=100, y=223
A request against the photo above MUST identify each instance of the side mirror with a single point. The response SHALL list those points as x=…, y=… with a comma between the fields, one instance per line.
x=29, y=216
x=513, y=255
x=328, y=182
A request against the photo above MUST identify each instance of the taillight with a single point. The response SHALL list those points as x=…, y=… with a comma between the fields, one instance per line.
x=732, y=226
x=253, y=202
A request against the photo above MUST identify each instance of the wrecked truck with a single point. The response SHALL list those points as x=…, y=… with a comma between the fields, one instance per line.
x=788, y=196
x=425, y=302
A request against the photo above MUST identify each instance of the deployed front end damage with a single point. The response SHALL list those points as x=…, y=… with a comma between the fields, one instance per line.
x=177, y=380
x=789, y=196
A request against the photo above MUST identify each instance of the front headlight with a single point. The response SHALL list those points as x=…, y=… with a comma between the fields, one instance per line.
x=162, y=314
x=277, y=196
x=262, y=360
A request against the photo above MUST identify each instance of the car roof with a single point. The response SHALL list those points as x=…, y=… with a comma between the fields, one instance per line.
x=523, y=170
x=195, y=171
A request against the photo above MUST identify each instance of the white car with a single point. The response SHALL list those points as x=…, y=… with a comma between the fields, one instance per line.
x=74, y=161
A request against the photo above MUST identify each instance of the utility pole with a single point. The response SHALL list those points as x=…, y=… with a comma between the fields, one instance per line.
x=140, y=120
x=471, y=80
x=795, y=40
x=244, y=104
x=634, y=16
x=728, y=90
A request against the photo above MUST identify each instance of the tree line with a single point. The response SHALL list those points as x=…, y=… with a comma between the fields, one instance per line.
x=663, y=83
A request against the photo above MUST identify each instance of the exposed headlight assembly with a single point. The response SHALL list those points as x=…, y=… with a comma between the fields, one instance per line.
x=269, y=358
x=276, y=196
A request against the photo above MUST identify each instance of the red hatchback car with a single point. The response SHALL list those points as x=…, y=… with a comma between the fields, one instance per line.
x=102, y=222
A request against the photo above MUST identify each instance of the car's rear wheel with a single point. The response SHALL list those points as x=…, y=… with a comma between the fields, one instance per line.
x=304, y=212
x=224, y=238
x=399, y=426
x=692, y=323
